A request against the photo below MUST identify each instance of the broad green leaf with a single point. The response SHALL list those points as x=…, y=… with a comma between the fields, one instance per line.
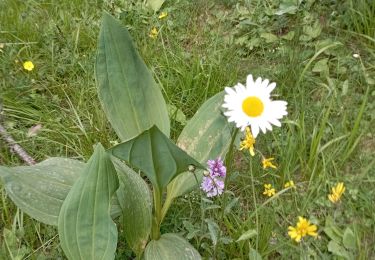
x=247, y=235
x=332, y=231
x=156, y=156
x=155, y=4
x=135, y=200
x=311, y=31
x=338, y=250
x=286, y=9
x=254, y=255
x=176, y=114
x=206, y=136
x=321, y=66
x=131, y=99
x=214, y=230
x=269, y=37
x=345, y=87
x=349, y=239
x=40, y=190
x=170, y=246
x=289, y=36
x=85, y=227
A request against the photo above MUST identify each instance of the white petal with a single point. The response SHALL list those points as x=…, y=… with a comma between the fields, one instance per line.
x=240, y=89
x=280, y=103
x=226, y=105
x=264, y=83
x=249, y=80
x=254, y=130
x=268, y=125
x=230, y=91
x=262, y=127
x=228, y=113
x=274, y=122
x=271, y=87
x=258, y=82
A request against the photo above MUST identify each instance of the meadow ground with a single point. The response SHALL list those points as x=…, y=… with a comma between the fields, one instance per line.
x=321, y=55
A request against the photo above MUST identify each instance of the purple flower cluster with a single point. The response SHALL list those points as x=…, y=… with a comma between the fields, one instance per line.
x=213, y=184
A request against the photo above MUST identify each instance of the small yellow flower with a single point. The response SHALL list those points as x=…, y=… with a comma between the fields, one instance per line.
x=267, y=186
x=249, y=142
x=302, y=229
x=28, y=65
x=337, y=192
x=163, y=15
x=267, y=163
x=289, y=184
x=268, y=190
x=154, y=33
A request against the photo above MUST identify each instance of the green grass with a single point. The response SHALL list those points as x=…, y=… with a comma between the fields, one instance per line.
x=202, y=47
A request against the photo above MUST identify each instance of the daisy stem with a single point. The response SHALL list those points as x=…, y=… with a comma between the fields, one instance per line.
x=255, y=204
x=228, y=163
x=229, y=159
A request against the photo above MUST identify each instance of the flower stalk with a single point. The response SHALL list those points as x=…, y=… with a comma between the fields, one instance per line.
x=157, y=217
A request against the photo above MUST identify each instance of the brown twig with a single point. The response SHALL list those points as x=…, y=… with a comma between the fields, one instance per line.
x=16, y=148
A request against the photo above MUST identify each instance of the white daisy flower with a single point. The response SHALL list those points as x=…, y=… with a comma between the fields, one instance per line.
x=252, y=105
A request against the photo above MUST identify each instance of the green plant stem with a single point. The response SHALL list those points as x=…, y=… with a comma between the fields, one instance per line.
x=229, y=160
x=255, y=204
x=201, y=204
x=157, y=218
x=228, y=163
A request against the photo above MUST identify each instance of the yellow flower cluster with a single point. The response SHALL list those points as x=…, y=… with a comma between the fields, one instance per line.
x=154, y=33
x=337, y=192
x=268, y=163
x=163, y=15
x=289, y=184
x=302, y=229
x=248, y=142
x=268, y=190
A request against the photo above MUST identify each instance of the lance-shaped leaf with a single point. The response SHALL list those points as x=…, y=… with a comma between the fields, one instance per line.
x=206, y=136
x=155, y=155
x=135, y=200
x=85, y=227
x=39, y=190
x=155, y=4
x=131, y=99
x=170, y=246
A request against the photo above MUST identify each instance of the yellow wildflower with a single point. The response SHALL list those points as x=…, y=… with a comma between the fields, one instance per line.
x=267, y=186
x=337, y=192
x=268, y=190
x=302, y=229
x=289, y=184
x=163, y=15
x=28, y=65
x=267, y=163
x=154, y=33
x=249, y=142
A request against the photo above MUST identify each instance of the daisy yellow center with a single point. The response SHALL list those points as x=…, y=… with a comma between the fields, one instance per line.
x=252, y=106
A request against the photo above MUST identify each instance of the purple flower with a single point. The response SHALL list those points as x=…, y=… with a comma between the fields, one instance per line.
x=213, y=184
x=217, y=168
